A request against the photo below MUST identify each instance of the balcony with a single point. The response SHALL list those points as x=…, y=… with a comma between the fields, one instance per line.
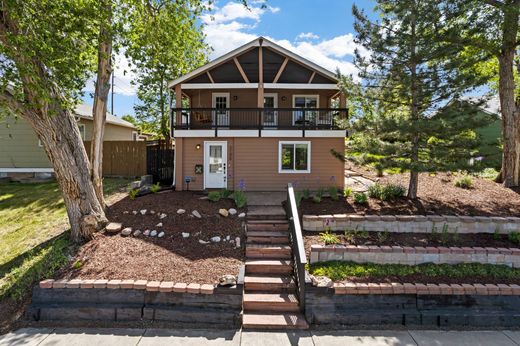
x=258, y=119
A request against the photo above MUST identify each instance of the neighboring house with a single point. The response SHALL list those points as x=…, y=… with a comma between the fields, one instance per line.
x=22, y=153
x=259, y=117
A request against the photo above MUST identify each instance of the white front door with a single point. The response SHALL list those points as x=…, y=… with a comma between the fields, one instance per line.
x=220, y=102
x=215, y=165
x=270, y=112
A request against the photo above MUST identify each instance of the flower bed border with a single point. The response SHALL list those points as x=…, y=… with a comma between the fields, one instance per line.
x=426, y=289
x=415, y=255
x=411, y=223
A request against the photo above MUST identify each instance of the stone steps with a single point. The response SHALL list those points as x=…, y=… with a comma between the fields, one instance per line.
x=267, y=237
x=274, y=321
x=263, y=212
x=269, y=302
x=267, y=266
x=268, y=251
x=270, y=227
x=269, y=283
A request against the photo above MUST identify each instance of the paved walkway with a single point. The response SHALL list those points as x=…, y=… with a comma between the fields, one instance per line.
x=155, y=337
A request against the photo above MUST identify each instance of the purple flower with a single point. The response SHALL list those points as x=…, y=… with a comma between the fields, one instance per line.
x=242, y=184
x=333, y=179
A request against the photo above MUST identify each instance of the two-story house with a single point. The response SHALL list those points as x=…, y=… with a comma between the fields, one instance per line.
x=257, y=118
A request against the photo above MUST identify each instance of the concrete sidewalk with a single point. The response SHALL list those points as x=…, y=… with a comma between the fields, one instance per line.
x=155, y=337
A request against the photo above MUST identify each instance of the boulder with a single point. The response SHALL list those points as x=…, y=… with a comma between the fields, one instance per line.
x=181, y=211
x=223, y=212
x=135, y=185
x=160, y=235
x=215, y=239
x=232, y=211
x=153, y=233
x=196, y=214
x=185, y=235
x=242, y=215
x=227, y=280
x=147, y=179
x=113, y=227
x=321, y=281
x=126, y=231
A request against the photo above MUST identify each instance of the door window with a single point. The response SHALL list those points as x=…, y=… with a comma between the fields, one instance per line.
x=269, y=110
x=215, y=159
x=306, y=101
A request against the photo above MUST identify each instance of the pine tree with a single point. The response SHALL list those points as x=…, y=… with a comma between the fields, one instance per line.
x=410, y=75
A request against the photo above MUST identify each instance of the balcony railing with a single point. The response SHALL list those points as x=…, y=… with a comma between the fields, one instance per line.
x=258, y=118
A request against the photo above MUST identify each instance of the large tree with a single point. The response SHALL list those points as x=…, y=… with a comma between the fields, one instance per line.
x=46, y=53
x=412, y=75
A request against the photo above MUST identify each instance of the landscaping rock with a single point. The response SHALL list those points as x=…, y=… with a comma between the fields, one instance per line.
x=113, y=227
x=162, y=216
x=153, y=233
x=228, y=237
x=160, y=235
x=152, y=212
x=181, y=211
x=125, y=212
x=146, y=179
x=232, y=211
x=237, y=242
x=227, y=280
x=126, y=231
x=134, y=212
x=204, y=197
x=146, y=232
x=223, y=212
x=242, y=215
x=159, y=224
x=203, y=241
x=216, y=239
x=142, y=211
x=196, y=214
x=137, y=233
x=185, y=235
x=135, y=184
x=321, y=281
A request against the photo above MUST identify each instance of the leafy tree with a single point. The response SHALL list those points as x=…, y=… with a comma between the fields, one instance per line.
x=164, y=42
x=47, y=53
x=410, y=75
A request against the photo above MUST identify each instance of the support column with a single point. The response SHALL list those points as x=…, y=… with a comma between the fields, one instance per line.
x=179, y=157
x=178, y=104
x=260, y=77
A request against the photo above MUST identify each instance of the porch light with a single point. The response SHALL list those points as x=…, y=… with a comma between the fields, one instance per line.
x=235, y=97
x=197, y=147
x=284, y=98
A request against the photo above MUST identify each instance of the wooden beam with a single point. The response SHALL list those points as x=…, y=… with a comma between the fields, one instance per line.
x=210, y=78
x=342, y=100
x=241, y=70
x=178, y=103
x=312, y=77
x=260, y=78
x=280, y=71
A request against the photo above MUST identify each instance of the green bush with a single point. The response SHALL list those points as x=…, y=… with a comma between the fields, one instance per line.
x=360, y=198
x=386, y=192
x=133, y=193
x=240, y=199
x=465, y=182
x=306, y=193
x=298, y=196
x=328, y=238
x=316, y=199
x=155, y=188
x=375, y=191
x=333, y=192
x=514, y=237
x=225, y=193
x=214, y=196
x=347, y=192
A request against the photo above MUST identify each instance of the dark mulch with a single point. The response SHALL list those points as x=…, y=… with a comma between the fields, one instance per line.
x=171, y=258
x=416, y=239
x=425, y=279
x=437, y=194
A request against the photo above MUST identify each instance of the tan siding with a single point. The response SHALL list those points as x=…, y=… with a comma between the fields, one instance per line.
x=255, y=161
x=112, y=132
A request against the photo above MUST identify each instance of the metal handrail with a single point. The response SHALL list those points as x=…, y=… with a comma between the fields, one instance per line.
x=298, y=248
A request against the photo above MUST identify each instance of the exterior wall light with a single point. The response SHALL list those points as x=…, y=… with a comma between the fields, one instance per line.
x=197, y=146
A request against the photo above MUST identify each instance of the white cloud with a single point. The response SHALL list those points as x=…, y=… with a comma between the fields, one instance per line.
x=307, y=36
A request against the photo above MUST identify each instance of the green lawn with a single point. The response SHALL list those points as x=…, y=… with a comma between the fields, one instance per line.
x=33, y=237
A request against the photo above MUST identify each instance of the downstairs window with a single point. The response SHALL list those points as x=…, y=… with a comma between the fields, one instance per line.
x=294, y=157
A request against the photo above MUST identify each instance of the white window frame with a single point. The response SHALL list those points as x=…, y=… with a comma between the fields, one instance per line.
x=214, y=105
x=84, y=133
x=281, y=143
x=275, y=106
x=303, y=95
x=135, y=136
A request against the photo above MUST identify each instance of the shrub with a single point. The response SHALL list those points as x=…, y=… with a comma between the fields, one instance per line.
x=465, y=182
x=214, y=196
x=225, y=193
x=320, y=192
x=347, y=192
x=386, y=192
x=298, y=196
x=328, y=238
x=496, y=234
x=240, y=199
x=133, y=193
x=383, y=236
x=333, y=192
x=306, y=193
x=316, y=199
x=375, y=190
x=360, y=198
x=155, y=188
x=514, y=237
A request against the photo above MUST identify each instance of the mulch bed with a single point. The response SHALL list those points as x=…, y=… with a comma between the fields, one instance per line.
x=171, y=258
x=437, y=194
x=416, y=239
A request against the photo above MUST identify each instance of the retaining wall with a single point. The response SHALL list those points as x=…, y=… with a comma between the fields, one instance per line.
x=411, y=223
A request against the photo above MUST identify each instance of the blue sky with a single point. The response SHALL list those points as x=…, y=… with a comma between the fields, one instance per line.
x=319, y=30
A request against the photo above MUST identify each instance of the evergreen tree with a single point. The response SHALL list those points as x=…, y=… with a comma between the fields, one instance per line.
x=410, y=75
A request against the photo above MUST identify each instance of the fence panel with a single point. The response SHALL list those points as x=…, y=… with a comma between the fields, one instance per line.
x=123, y=158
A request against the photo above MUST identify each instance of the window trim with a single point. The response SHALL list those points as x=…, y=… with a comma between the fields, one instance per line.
x=292, y=171
x=135, y=136
x=303, y=95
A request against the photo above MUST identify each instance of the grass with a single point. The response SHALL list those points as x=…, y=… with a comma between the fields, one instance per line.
x=336, y=270
x=33, y=238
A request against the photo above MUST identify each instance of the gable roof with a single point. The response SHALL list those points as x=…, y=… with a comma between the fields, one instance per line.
x=84, y=111
x=490, y=105
x=260, y=41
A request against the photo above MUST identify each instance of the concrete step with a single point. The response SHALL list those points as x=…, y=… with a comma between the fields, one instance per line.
x=270, y=302
x=267, y=237
x=274, y=321
x=268, y=251
x=270, y=227
x=270, y=283
x=261, y=212
x=266, y=266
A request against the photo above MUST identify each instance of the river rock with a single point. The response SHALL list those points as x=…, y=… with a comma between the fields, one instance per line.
x=153, y=233
x=185, y=235
x=146, y=232
x=125, y=212
x=152, y=212
x=232, y=211
x=134, y=212
x=237, y=242
x=203, y=241
x=126, y=231
x=113, y=227
x=162, y=216
x=181, y=211
x=142, y=211
x=223, y=212
x=160, y=235
x=137, y=233
x=216, y=239
x=228, y=237
x=196, y=214
x=242, y=215
x=159, y=224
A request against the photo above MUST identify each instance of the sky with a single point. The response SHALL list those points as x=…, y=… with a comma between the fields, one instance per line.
x=319, y=30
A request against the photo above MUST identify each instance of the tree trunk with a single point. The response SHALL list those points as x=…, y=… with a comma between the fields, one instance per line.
x=63, y=144
x=99, y=112
x=164, y=114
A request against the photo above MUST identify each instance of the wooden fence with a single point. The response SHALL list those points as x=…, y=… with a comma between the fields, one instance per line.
x=123, y=158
